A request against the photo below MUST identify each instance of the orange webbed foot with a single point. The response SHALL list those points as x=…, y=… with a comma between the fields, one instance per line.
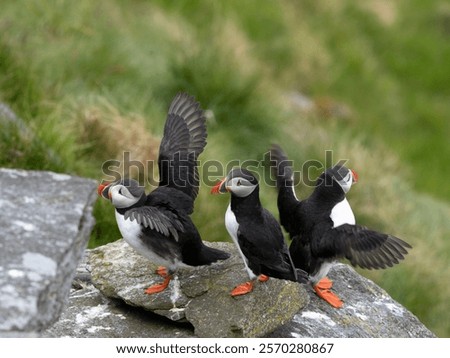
x=263, y=278
x=323, y=290
x=325, y=284
x=159, y=287
x=242, y=289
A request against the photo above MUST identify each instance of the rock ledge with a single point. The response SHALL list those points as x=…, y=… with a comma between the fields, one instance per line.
x=200, y=296
x=45, y=224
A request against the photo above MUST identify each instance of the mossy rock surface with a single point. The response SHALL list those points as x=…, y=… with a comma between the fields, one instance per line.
x=200, y=296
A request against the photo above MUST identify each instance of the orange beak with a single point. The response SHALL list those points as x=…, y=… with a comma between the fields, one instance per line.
x=219, y=188
x=101, y=188
x=355, y=176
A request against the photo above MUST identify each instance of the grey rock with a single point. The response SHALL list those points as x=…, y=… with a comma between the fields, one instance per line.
x=89, y=314
x=44, y=228
x=201, y=295
x=368, y=312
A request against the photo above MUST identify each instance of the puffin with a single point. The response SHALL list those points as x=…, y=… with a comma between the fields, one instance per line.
x=158, y=225
x=323, y=228
x=256, y=233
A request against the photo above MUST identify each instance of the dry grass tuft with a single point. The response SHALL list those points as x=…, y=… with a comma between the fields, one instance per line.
x=385, y=10
x=109, y=134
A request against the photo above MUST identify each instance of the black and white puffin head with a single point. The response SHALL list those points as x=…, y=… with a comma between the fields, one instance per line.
x=341, y=175
x=239, y=182
x=123, y=193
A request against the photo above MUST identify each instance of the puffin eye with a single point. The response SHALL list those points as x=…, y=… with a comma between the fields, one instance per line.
x=120, y=191
x=239, y=183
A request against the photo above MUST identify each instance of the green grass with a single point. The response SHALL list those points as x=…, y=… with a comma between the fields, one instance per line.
x=93, y=79
x=394, y=79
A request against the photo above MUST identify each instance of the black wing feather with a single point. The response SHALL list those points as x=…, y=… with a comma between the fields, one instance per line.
x=183, y=141
x=361, y=246
x=281, y=166
x=163, y=221
x=265, y=249
x=287, y=202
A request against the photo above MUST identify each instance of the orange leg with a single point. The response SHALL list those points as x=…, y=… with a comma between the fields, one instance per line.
x=323, y=290
x=263, y=278
x=161, y=271
x=159, y=287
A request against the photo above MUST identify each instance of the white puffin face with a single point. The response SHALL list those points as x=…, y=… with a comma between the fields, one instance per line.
x=121, y=196
x=347, y=181
x=240, y=187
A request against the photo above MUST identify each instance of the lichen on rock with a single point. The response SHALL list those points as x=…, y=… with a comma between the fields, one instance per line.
x=203, y=293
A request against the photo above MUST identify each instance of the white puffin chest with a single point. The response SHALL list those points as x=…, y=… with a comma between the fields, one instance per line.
x=132, y=233
x=342, y=214
x=232, y=227
x=231, y=224
x=130, y=230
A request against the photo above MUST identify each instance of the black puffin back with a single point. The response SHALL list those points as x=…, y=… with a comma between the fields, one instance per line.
x=287, y=203
x=261, y=239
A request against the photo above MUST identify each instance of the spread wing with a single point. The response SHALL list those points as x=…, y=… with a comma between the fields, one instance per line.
x=163, y=221
x=183, y=141
x=361, y=246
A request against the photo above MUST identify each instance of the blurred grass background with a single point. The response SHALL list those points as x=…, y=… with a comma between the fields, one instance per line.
x=368, y=80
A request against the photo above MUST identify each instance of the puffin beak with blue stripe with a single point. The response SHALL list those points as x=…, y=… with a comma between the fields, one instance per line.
x=158, y=225
x=256, y=233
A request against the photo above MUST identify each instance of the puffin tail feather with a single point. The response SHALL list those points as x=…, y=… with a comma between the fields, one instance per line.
x=208, y=255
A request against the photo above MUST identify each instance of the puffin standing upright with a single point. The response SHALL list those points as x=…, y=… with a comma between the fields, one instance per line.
x=323, y=228
x=158, y=225
x=255, y=232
